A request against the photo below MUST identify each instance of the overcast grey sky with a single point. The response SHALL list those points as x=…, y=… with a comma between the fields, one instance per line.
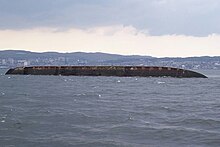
x=162, y=28
x=158, y=17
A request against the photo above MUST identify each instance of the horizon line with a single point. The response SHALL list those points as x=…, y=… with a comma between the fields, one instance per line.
x=42, y=52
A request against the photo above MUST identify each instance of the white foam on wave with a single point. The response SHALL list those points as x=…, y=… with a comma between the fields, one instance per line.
x=4, y=117
x=80, y=94
x=160, y=82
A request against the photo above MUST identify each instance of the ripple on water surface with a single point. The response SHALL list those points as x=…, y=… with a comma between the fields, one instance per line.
x=108, y=111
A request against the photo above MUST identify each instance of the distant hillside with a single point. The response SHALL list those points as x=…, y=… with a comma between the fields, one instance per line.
x=20, y=54
x=12, y=58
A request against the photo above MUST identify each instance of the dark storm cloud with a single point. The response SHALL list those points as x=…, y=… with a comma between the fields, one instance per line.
x=189, y=17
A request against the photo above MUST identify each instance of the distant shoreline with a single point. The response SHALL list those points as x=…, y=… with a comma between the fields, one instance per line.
x=16, y=58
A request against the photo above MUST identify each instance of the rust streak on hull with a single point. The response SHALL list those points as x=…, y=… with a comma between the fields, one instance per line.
x=122, y=71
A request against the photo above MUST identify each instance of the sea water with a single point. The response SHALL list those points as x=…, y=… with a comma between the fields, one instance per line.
x=66, y=111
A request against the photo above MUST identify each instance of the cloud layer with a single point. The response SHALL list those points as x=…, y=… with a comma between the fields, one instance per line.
x=147, y=27
x=117, y=39
x=159, y=17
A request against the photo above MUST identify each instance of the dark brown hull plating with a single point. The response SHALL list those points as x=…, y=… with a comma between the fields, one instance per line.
x=122, y=71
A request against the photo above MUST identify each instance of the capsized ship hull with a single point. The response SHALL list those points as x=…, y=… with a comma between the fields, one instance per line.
x=122, y=71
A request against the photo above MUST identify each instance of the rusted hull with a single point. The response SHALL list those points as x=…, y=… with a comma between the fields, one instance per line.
x=122, y=71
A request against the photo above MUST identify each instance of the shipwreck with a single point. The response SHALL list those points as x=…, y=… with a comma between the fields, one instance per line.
x=121, y=71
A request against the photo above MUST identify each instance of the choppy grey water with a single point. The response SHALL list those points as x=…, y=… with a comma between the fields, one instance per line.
x=59, y=111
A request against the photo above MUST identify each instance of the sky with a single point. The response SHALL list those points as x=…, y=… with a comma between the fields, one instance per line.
x=160, y=28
